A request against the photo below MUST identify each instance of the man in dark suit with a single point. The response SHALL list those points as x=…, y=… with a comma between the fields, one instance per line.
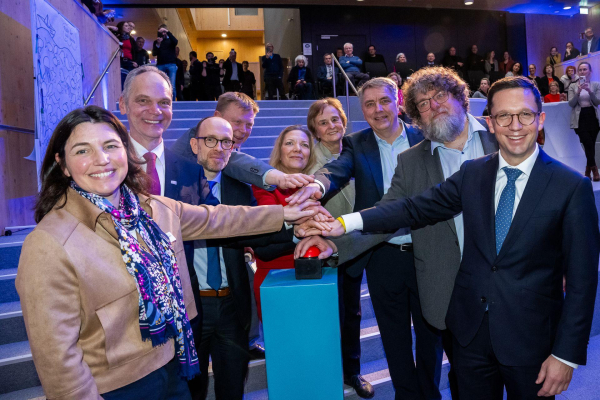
x=218, y=274
x=234, y=73
x=528, y=220
x=449, y=141
x=325, y=74
x=370, y=157
x=590, y=44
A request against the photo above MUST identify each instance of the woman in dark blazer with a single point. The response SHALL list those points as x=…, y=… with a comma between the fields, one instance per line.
x=570, y=52
x=301, y=80
x=544, y=82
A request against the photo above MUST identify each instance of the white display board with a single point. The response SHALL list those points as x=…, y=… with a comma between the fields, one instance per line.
x=57, y=69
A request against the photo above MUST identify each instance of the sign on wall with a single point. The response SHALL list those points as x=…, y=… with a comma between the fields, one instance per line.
x=58, y=75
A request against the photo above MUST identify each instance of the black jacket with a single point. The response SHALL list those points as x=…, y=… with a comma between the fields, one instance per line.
x=544, y=85
x=293, y=76
x=165, y=54
x=229, y=71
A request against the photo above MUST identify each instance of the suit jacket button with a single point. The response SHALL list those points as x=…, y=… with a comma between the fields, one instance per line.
x=483, y=299
x=494, y=268
x=253, y=170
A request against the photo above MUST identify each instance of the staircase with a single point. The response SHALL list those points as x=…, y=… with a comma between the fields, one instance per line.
x=273, y=117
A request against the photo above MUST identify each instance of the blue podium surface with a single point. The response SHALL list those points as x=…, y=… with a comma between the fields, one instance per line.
x=301, y=326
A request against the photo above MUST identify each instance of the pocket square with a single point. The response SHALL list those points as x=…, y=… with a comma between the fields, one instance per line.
x=173, y=182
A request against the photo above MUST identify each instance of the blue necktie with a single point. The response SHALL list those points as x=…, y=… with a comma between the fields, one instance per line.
x=213, y=273
x=506, y=204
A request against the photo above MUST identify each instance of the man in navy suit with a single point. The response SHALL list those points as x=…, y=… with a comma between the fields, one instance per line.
x=325, y=74
x=370, y=157
x=528, y=220
x=224, y=306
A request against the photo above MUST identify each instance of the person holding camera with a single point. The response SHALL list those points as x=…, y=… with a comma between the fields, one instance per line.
x=212, y=77
x=164, y=51
x=584, y=99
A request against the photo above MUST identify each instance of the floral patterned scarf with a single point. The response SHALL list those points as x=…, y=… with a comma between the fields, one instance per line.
x=154, y=267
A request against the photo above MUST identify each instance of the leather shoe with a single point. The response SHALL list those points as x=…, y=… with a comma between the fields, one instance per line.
x=257, y=352
x=362, y=387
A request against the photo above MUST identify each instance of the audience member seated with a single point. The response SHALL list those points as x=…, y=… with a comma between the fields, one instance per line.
x=549, y=77
x=584, y=98
x=451, y=60
x=352, y=65
x=590, y=43
x=401, y=67
x=164, y=51
x=570, y=52
x=273, y=73
x=325, y=75
x=569, y=78
x=517, y=70
x=430, y=61
x=532, y=76
x=301, y=80
x=482, y=92
x=339, y=52
x=141, y=55
x=94, y=287
x=554, y=96
x=233, y=73
x=374, y=63
x=248, y=81
x=554, y=57
x=506, y=64
x=292, y=153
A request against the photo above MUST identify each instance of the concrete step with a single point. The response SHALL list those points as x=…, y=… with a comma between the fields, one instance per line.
x=8, y=291
x=12, y=325
x=16, y=367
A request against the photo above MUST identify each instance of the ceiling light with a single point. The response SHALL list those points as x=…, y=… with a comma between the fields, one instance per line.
x=150, y=52
x=360, y=0
x=583, y=10
x=133, y=32
x=468, y=2
x=566, y=7
x=223, y=35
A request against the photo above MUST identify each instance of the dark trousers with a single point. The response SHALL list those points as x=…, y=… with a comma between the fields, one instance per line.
x=272, y=85
x=225, y=340
x=393, y=287
x=233, y=86
x=350, y=315
x=452, y=380
x=212, y=92
x=588, y=133
x=482, y=377
x=162, y=384
x=196, y=89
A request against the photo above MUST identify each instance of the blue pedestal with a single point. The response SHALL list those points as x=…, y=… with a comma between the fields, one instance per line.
x=301, y=326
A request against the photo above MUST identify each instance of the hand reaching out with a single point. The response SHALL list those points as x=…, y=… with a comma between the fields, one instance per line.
x=321, y=215
x=327, y=247
x=311, y=228
x=287, y=181
x=293, y=213
x=311, y=191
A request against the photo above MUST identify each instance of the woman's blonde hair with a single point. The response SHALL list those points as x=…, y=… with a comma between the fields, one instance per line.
x=275, y=160
x=317, y=108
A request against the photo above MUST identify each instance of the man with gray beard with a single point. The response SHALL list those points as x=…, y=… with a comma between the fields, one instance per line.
x=437, y=101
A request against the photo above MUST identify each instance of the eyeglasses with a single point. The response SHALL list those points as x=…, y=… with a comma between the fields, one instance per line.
x=211, y=142
x=425, y=105
x=525, y=118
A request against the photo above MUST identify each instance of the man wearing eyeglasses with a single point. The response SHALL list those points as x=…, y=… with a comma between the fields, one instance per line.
x=528, y=219
x=219, y=277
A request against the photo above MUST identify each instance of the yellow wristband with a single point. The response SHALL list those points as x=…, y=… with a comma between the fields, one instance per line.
x=342, y=222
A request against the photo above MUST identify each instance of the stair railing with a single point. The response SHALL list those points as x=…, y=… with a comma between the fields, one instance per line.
x=348, y=82
x=87, y=100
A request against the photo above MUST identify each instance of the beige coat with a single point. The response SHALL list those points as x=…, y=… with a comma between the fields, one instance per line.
x=573, y=97
x=80, y=304
x=342, y=202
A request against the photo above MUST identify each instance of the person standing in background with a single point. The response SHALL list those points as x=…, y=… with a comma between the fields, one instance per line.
x=233, y=73
x=248, y=81
x=273, y=73
x=164, y=51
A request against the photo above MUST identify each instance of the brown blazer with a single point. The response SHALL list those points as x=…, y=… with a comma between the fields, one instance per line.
x=80, y=304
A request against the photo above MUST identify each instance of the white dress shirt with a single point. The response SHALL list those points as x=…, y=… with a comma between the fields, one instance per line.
x=160, y=160
x=200, y=256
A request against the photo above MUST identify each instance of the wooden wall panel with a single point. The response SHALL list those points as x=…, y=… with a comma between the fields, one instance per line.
x=18, y=181
x=248, y=49
x=210, y=19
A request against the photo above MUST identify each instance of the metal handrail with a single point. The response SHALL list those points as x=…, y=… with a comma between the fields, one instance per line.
x=348, y=82
x=87, y=100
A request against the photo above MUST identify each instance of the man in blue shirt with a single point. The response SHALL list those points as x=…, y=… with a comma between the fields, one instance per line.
x=352, y=65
